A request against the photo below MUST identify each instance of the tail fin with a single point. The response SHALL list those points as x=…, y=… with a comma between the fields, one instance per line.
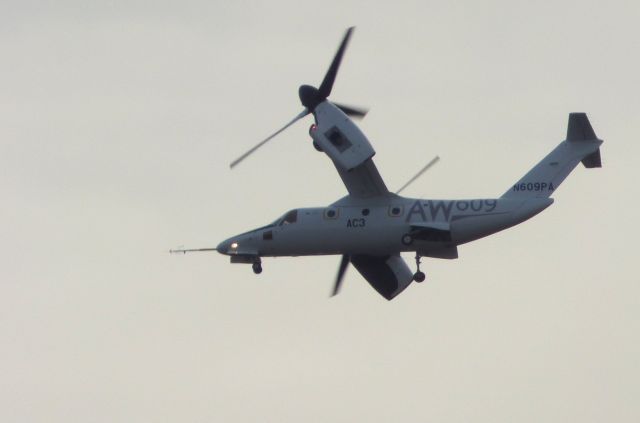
x=581, y=145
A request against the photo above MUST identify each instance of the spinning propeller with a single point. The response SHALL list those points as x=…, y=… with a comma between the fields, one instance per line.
x=311, y=97
x=340, y=276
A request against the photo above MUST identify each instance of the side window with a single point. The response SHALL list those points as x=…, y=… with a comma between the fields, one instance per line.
x=396, y=211
x=337, y=139
x=331, y=213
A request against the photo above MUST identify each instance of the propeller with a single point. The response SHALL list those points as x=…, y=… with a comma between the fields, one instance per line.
x=269, y=138
x=417, y=175
x=311, y=97
x=351, y=111
x=341, y=271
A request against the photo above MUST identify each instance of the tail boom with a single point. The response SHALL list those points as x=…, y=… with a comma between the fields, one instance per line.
x=581, y=145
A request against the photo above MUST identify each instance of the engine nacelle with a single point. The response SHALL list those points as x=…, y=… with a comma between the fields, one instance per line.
x=337, y=136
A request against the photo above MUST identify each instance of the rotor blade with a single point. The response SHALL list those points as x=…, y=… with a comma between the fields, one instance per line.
x=263, y=142
x=341, y=270
x=352, y=111
x=330, y=77
x=423, y=170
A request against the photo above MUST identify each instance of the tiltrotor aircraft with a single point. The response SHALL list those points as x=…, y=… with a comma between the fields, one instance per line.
x=371, y=226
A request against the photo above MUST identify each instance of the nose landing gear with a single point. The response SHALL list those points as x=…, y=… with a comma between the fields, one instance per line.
x=418, y=276
x=257, y=267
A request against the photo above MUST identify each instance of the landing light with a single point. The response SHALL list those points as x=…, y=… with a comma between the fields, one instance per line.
x=234, y=245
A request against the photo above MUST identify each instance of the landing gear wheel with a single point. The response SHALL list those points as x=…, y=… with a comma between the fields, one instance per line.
x=257, y=268
x=407, y=239
x=418, y=276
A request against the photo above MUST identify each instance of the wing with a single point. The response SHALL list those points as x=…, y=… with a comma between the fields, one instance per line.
x=363, y=181
x=388, y=275
x=349, y=150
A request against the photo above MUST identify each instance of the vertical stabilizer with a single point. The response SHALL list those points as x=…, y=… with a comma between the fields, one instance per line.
x=579, y=128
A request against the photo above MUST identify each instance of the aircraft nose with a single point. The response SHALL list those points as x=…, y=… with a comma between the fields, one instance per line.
x=228, y=246
x=223, y=247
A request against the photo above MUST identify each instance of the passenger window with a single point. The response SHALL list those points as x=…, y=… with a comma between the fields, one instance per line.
x=331, y=213
x=395, y=211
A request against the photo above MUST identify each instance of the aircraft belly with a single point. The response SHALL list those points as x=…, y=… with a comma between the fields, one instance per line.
x=465, y=228
x=336, y=239
x=371, y=240
x=374, y=241
x=469, y=228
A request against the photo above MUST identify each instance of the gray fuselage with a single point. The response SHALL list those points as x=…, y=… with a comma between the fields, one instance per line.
x=378, y=227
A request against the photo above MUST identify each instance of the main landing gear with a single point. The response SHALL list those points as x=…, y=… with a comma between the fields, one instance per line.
x=418, y=276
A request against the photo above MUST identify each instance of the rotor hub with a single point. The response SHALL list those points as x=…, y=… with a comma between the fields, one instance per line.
x=309, y=97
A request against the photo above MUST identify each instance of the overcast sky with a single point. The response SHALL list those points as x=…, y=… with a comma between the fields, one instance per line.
x=118, y=122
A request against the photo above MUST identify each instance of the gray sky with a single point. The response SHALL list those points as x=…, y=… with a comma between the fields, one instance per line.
x=117, y=124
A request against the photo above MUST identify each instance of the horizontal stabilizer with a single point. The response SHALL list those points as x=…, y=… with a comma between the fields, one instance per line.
x=592, y=160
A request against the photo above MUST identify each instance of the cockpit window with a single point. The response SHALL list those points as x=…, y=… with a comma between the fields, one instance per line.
x=290, y=217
